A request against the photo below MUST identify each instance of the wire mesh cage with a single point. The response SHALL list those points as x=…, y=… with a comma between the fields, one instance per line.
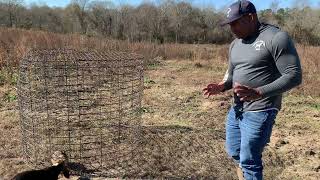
x=85, y=103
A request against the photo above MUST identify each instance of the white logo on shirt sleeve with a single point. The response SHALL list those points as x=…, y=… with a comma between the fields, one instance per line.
x=257, y=45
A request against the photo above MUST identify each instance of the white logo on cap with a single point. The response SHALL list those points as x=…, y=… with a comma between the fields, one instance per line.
x=257, y=45
x=228, y=12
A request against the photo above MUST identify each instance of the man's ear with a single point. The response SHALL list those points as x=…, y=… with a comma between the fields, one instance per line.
x=251, y=16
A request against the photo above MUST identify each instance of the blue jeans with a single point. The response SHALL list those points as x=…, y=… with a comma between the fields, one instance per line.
x=247, y=133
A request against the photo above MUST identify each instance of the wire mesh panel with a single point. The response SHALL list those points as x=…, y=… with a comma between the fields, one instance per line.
x=84, y=103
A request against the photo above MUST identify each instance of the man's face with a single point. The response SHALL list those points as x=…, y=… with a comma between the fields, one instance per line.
x=241, y=27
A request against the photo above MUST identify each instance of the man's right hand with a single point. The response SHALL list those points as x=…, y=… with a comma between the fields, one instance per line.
x=213, y=89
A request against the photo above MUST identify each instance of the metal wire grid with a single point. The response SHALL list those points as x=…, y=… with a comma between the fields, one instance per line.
x=84, y=103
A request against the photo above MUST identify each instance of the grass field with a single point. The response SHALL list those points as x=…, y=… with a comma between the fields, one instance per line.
x=184, y=136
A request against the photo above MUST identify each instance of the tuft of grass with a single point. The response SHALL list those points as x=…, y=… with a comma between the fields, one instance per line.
x=149, y=81
x=14, y=79
x=154, y=63
x=10, y=96
x=8, y=77
x=2, y=79
x=146, y=110
x=198, y=65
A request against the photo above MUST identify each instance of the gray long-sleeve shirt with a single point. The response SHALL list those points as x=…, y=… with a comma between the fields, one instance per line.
x=267, y=61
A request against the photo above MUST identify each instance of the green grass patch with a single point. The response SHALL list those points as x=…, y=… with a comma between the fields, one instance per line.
x=315, y=106
x=153, y=65
x=9, y=96
x=8, y=77
x=148, y=81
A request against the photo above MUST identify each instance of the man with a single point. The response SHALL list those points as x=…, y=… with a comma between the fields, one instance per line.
x=263, y=64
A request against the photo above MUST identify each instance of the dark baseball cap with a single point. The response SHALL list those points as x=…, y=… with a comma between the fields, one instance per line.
x=237, y=10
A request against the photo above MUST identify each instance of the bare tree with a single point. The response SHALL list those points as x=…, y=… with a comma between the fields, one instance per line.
x=274, y=6
x=147, y=20
x=303, y=25
x=12, y=7
x=101, y=17
x=79, y=9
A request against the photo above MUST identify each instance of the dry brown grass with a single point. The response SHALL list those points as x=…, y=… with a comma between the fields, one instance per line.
x=14, y=43
x=310, y=62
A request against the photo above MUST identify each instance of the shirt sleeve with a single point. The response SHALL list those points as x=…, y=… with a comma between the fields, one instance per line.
x=288, y=64
x=229, y=73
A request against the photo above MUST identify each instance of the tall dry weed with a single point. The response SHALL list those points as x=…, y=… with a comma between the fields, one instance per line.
x=14, y=43
x=310, y=62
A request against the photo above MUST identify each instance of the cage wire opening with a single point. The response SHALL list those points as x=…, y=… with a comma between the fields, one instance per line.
x=85, y=103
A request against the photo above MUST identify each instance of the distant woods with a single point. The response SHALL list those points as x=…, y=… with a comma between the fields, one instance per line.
x=167, y=21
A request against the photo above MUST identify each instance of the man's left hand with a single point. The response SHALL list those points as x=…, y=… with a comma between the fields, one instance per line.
x=246, y=93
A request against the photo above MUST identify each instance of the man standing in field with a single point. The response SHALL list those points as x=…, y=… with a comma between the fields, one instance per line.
x=263, y=64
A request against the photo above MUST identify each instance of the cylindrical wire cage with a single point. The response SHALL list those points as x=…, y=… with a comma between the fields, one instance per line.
x=84, y=103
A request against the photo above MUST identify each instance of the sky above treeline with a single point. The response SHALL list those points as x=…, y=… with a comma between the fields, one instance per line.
x=217, y=4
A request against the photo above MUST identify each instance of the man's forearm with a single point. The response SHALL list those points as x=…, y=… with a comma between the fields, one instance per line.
x=281, y=85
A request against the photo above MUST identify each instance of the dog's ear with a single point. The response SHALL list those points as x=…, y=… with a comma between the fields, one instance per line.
x=66, y=172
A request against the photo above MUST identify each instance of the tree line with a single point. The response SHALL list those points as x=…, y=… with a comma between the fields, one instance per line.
x=167, y=21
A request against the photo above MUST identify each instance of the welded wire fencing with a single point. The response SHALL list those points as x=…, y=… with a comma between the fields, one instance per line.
x=86, y=104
